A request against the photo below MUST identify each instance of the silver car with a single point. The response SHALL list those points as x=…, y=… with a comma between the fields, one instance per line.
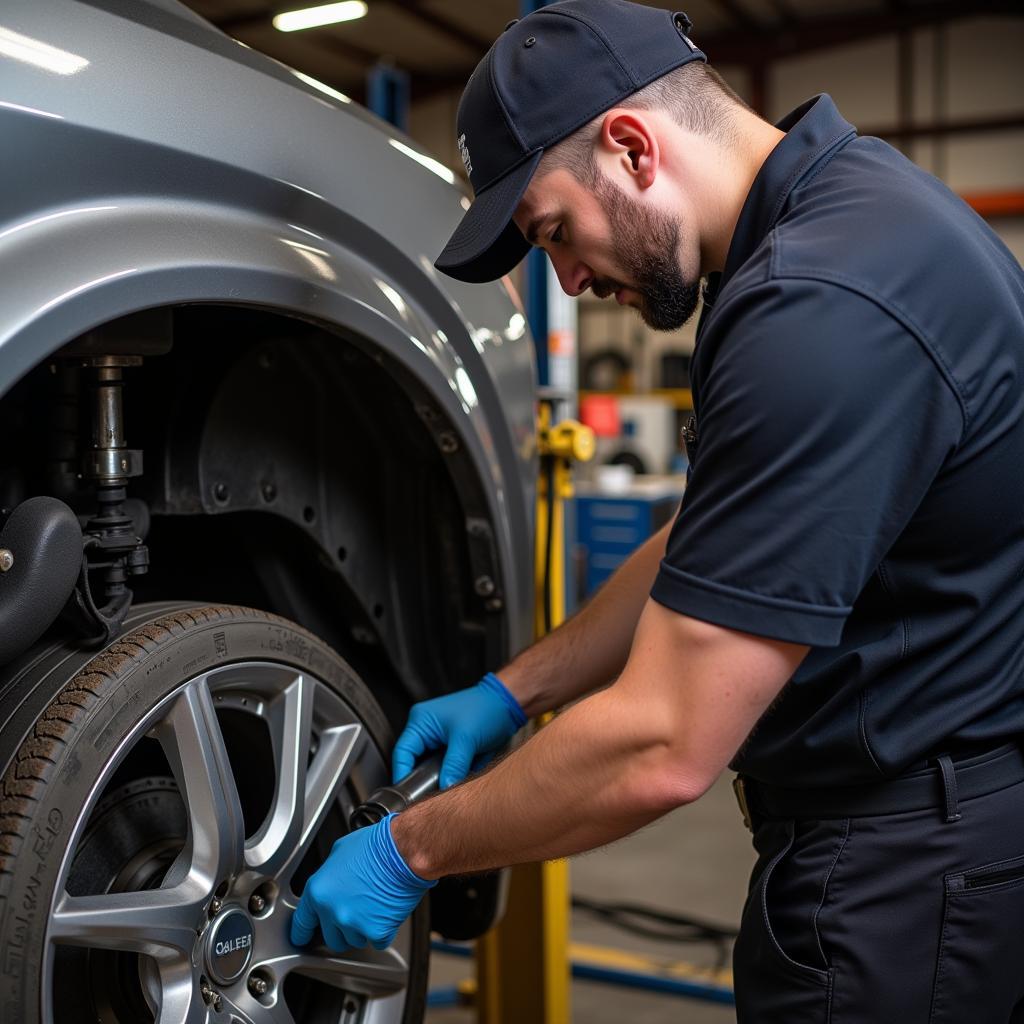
x=266, y=479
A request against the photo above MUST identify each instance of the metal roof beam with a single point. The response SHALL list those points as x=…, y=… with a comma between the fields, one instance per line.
x=736, y=13
x=783, y=11
x=941, y=129
x=438, y=22
x=806, y=34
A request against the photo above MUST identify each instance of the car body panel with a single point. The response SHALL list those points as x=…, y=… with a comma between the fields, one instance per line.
x=176, y=166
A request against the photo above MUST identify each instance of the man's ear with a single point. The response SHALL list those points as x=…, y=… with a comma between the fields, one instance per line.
x=630, y=137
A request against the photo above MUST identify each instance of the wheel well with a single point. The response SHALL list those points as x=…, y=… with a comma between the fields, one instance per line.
x=295, y=469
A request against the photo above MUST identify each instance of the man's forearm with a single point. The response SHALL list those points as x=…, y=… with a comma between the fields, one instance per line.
x=610, y=764
x=589, y=650
x=579, y=783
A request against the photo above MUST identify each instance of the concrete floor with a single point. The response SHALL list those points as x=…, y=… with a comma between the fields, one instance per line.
x=694, y=861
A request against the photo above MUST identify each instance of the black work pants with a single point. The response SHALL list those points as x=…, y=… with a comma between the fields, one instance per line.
x=895, y=919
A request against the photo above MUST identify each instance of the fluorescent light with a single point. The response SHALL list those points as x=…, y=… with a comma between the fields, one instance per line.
x=317, y=84
x=325, y=14
x=427, y=161
x=32, y=51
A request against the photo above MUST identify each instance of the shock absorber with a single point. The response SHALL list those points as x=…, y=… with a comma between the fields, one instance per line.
x=112, y=544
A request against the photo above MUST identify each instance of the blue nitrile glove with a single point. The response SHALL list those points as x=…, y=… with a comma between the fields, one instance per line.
x=361, y=894
x=471, y=723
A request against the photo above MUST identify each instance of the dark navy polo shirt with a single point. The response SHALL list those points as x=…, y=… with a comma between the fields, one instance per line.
x=857, y=482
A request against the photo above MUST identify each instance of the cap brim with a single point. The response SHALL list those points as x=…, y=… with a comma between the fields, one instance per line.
x=487, y=245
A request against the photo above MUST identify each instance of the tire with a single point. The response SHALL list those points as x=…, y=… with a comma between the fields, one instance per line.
x=161, y=810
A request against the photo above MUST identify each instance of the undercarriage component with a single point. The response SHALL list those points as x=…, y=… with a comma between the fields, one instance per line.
x=113, y=547
x=40, y=560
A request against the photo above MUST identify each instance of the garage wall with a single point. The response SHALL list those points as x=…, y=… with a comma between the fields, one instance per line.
x=984, y=78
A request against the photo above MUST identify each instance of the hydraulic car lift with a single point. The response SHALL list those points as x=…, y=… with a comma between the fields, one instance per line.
x=524, y=966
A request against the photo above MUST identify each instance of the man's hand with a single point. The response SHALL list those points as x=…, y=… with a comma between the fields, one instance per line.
x=654, y=740
x=361, y=894
x=471, y=723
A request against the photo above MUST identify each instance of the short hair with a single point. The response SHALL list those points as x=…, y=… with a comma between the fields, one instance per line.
x=695, y=96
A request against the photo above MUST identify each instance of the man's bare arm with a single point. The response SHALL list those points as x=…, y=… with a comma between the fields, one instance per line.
x=656, y=739
x=590, y=649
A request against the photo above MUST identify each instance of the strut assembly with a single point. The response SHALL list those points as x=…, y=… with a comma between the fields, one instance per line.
x=111, y=542
x=114, y=548
x=72, y=556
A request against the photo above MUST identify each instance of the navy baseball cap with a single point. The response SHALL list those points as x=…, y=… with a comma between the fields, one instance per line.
x=544, y=77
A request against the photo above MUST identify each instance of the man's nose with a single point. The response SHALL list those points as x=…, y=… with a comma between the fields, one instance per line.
x=573, y=275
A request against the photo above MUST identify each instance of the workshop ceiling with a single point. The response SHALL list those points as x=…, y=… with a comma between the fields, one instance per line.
x=438, y=42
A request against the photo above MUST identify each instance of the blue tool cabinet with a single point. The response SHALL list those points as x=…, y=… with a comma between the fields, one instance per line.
x=610, y=526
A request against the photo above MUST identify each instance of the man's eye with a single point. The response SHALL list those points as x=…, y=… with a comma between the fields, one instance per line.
x=556, y=235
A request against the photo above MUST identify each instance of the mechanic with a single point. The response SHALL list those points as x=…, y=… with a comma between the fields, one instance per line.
x=838, y=608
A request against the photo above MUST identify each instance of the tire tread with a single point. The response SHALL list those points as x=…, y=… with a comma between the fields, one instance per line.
x=29, y=771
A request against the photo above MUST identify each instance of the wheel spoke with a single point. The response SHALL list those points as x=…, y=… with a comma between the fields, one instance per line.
x=368, y=972
x=339, y=750
x=194, y=745
x=161, y=923
x=274, y=1011
x=290, y=718
x=180, y=999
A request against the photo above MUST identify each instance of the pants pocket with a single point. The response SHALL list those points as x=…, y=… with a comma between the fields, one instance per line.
x=771, y=984
x=778, y=896
x=978, y=975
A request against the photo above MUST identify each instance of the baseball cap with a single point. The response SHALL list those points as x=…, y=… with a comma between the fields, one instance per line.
x=544, y=77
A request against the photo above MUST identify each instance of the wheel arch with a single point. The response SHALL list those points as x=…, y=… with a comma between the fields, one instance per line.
x=148, y=255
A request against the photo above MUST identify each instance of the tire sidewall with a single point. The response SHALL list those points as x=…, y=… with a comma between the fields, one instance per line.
x=142, y=668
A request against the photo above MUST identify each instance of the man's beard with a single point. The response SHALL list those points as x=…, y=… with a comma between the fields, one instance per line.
x=647, y=247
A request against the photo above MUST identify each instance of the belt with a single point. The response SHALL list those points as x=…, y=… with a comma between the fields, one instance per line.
x=940, y=786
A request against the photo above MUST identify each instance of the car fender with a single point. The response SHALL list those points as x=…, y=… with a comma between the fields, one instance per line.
x=117, y=258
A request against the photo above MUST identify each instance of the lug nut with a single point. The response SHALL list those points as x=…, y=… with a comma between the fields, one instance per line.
x=256, y=903
x=257, y=985
x=6, y=560
x=215, y=905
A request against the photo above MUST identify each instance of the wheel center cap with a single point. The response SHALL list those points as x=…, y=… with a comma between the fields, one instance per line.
x=229, y=945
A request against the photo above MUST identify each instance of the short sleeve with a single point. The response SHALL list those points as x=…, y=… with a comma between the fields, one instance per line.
x=822, y=422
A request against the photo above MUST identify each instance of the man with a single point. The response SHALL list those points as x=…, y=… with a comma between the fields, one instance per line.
x=838, y=609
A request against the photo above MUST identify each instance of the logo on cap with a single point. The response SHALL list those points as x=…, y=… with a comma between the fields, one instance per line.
x=464, y=152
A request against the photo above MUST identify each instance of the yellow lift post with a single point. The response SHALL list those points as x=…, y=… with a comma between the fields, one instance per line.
x=523, y=967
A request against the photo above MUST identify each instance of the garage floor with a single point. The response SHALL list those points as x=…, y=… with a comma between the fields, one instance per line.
x=697, y=861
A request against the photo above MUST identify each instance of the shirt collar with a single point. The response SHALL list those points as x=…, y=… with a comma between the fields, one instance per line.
x=813, y=130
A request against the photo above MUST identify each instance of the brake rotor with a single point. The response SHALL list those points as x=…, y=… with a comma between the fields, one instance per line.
x=132, y=838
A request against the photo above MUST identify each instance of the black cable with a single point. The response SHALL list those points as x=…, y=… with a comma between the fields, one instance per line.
x=623, y=914
x=662, y=926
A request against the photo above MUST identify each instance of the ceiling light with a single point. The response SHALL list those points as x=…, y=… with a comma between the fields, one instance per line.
x=325, y=14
